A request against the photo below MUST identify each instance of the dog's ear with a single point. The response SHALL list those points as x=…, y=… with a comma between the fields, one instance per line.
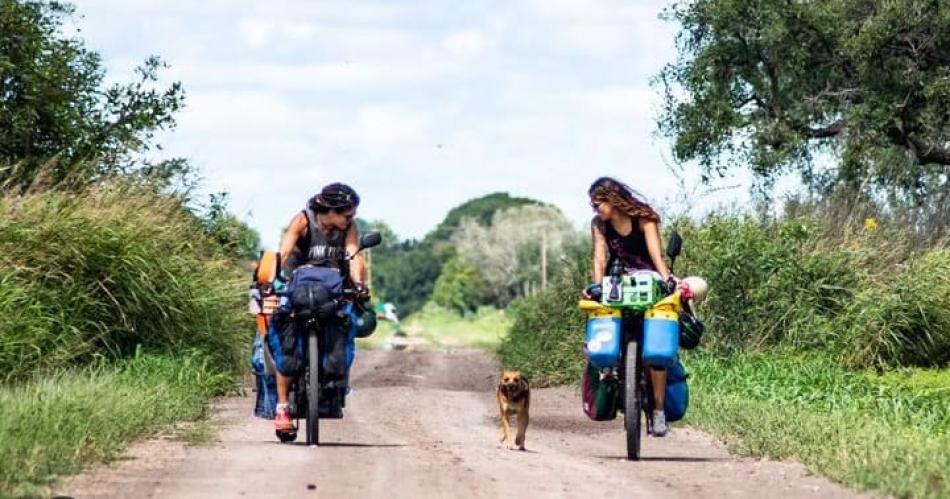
x=524, y=382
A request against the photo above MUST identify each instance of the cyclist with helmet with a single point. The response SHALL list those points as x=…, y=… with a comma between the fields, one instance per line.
x=320, y=235
x=626, y=230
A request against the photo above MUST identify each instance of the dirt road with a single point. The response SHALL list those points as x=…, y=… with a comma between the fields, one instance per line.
x=424, y=424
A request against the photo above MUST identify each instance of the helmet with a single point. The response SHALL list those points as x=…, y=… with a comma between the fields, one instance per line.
x=365, y=321
x=691, y=331
x=336, y=196
x=698, y=286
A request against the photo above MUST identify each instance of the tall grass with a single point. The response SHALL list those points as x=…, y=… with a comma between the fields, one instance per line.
x=55, y=425
x=808, y=282
x=98, y=273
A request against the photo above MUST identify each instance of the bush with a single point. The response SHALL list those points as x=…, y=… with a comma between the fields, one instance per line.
x=546, y=335
x=904, y=319
x=100, y=273
x=808, y=282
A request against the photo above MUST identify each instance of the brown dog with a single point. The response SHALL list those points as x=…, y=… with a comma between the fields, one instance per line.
x=514, y=397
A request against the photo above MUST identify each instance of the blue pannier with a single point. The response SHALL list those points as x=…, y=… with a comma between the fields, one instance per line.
x=677, y=392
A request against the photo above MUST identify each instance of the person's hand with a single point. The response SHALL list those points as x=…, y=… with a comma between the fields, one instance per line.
x=362, y=292
x=672, y=283
x=593, y=292
x=280, y=282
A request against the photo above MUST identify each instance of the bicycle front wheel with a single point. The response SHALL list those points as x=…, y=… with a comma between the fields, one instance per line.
x=313, y=390
x=631, y=409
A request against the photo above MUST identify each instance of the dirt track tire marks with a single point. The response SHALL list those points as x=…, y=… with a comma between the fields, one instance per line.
x=424, y=424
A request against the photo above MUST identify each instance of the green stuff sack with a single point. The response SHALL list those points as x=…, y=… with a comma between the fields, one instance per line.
x=599, y=396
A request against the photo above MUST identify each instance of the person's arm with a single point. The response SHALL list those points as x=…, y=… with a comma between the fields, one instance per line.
x=357, y=264
x=651, y=231
x=289, y=242
x=599, y=258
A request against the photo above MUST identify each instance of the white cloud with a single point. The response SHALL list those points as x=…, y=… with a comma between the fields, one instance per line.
x=342, y=76
x=255, y=32
x=631, y=102
x=377, y=129
x=600, y=41
x=417, y=104
x=250, y=114
x=468, y=43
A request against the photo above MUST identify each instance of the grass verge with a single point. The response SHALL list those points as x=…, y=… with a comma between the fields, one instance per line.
x=884, y=433
x=57, y=424
x=442, y=327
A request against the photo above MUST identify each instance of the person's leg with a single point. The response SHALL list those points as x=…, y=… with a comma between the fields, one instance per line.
x=658, y=381
x=283, y=388
x=658, y=378
x=282, y=343
x=282, y=416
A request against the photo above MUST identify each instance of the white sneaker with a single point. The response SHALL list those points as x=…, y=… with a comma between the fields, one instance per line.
x=660, y=428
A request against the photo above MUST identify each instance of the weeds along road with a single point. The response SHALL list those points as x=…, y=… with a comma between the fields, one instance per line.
x=424, y=424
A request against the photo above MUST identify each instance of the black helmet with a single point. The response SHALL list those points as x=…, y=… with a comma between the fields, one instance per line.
x=336, y=196
x=365, y=321
x=691, y=331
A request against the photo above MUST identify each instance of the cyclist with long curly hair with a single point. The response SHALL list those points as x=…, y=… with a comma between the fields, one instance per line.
x=626, y=229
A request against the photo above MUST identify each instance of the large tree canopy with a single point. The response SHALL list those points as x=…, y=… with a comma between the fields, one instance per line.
x=770, y=83
x=53, y=103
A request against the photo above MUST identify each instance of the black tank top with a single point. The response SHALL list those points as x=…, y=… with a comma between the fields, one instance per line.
x=631, y=249
x=317, y=248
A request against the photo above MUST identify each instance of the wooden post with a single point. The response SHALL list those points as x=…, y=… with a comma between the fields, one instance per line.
x=368, y=255
x=544, y=261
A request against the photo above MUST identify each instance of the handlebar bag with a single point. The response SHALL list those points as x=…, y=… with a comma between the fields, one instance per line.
x=312, y=290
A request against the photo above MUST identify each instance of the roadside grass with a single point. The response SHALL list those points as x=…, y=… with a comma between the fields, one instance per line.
x=96, y=274
x=54, y=425
x=444, y=328
x=885, y=433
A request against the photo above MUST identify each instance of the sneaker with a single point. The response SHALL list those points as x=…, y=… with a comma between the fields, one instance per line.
x=660, y=427
x=282, y=422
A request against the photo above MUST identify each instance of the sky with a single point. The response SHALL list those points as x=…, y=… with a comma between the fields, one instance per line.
x=419, y=105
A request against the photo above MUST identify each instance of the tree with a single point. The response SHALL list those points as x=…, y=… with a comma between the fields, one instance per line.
x=407, y=273
x=235, y=238
x=774, y=83
x=481, y=209
x=55, y=112
x=508, y=253
x=459, y=286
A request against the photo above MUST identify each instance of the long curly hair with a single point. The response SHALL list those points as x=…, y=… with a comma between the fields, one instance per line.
x=622, y=197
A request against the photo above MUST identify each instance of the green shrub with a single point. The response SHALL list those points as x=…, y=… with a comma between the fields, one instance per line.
x=103, y=272
x=809, y=282
x=546, y=335
x=902, y=318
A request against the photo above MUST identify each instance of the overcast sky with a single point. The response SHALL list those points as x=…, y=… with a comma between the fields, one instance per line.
x=420, y=105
